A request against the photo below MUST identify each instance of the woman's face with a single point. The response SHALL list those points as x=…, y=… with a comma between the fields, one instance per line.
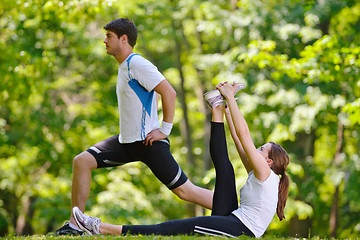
x=264, y=151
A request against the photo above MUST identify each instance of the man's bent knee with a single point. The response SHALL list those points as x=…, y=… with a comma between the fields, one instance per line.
x=85, y=160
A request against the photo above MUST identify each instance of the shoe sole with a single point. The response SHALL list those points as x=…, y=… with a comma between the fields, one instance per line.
x=215, y=93
x=211, y=94
x=87, y=232
x=239, y=87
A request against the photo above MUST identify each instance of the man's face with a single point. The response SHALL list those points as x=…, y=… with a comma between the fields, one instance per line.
x=112, y=43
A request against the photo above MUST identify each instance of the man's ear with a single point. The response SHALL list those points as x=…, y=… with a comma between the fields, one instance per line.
x=124, y=37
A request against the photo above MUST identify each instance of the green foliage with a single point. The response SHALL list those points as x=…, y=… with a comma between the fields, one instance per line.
x=300, y=60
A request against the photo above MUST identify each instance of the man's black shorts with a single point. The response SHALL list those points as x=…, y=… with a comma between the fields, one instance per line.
x=110, y=152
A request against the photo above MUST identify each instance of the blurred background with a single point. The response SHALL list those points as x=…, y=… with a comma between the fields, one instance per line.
x=299, y=59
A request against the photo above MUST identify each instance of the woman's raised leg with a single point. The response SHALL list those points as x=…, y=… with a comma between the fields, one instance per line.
x=225, y=197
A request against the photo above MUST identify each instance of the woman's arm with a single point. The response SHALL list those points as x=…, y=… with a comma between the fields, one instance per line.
x=237, y=142
x=256, y=160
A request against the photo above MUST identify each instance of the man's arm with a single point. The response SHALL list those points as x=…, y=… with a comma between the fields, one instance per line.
x=168, y=97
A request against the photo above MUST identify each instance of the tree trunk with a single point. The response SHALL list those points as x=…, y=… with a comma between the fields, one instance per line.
x=233, y=4
x=300, y=228
x=334, y=221
x=206, y=154
x=334, y=214
x=22, y=226
x=185, y=125
x=207, y=112
x=186, y=130
x=305, y=142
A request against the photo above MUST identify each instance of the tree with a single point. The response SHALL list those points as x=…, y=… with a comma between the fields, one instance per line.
x=300, y=61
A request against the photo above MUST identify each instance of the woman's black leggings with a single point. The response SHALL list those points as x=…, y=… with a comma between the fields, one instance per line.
x=221, y=221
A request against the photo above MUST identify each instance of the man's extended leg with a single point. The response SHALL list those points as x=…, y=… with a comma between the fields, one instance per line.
x=161, y=162
x=192, y=193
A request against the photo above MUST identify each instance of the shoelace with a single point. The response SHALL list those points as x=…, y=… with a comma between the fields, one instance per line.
x=89, y=220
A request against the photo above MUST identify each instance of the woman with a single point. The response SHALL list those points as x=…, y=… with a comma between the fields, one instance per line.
x=263, y=194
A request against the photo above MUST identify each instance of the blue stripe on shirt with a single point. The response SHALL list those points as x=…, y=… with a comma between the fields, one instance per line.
x=144, y=95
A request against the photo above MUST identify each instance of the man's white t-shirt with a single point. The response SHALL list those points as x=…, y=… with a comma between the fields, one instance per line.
x=137, y=77
x=258, y=203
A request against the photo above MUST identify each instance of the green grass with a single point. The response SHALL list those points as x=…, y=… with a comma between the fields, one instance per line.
x=133, y=237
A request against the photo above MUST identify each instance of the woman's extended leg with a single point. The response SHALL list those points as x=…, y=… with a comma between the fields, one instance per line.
x=229, y=226
x=225, y=198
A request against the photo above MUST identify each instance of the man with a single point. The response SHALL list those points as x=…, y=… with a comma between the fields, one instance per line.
x=141, y=138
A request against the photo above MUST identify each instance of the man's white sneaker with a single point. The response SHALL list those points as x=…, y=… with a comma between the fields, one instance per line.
x=90, y=225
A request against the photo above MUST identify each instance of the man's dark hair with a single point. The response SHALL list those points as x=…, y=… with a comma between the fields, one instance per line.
x=123, y=26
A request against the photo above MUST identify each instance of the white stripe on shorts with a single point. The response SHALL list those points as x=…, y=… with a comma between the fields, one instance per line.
x=175, y=179
x=112, y=162
x=95, y=149
x=165, y=141
x=212, y=232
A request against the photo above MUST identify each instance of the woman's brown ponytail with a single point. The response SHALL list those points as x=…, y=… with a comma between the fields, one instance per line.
x=280, y=161
x=283, y=194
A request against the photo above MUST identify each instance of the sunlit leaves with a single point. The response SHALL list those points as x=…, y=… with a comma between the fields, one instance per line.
x=353, y=109
x=300, y=61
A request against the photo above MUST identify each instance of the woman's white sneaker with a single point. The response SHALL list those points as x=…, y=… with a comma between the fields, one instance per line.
x=214, y=97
